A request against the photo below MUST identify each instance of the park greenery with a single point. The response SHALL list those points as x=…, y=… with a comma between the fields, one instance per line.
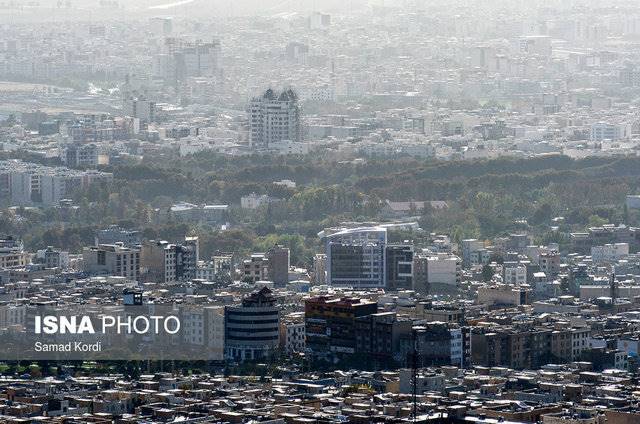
x=487, y=198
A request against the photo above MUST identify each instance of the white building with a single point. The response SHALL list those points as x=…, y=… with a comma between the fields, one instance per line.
x=609, y=252
x=292, y=334
x=219, y=266
x=443, y=268
x=317, y=20
x=23, y=183
x=204, y=327
x=514, y=274
x=320, y=269
x=274, y=118
x=141, y=108
x=601, y=131
x=457, y=347
x=580, y=337
x=253, y=201
x=210, y=214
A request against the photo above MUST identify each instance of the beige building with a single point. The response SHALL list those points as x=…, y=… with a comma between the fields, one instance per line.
x=430, y=312
x=112, y=259
x=12, y=253
x=256, y=268
x=166, y=263
x=503, y=295
x=204, y=327
x=11, y=259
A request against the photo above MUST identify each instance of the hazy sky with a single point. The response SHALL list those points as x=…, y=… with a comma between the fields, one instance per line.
x=51, y=10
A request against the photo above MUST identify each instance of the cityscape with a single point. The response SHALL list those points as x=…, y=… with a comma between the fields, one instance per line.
x=320, y=211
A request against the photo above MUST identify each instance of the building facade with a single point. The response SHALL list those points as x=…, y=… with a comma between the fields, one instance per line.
x=356, y=258
x=252, y=329
x=330, y=325
x=399, y=267
x=112, y=259
x=274, y=117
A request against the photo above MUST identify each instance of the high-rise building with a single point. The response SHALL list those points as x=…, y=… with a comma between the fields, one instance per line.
x=317, y=20
x=161, y=26
x=165, y=262
x=383, y=337
x=141, y=108
x=518, y=348
x=278, y=266
x=292, y=336
x=296, y=52
x=330, y=325
x=440, y=343
x=204, y=327
x=356, y=258
x=274, y=117
x=436, y=269
x=252, y=329
x=256, y=268
x=217, y=269
x=320, y=268
x=399, y=266
x=184, y=59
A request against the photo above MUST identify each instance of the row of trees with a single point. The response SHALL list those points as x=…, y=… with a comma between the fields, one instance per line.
x=487, y=198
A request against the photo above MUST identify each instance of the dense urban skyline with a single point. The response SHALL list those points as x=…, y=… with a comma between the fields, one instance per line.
x=319, y=211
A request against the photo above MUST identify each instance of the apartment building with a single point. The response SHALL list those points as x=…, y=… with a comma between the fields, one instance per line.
x=274, y=117
x=112, y=259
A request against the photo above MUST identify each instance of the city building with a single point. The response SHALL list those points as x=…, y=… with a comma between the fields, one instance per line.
x=292, y=334
x=80, y=155
x=278, y=258
x=165, y=262
x=217, y=269
x=320, y=269
x=252, y=329
x=256, y=268
x=330, y=325
x=205, y=327
x=204, y=214
x=383, y=338
x=274, y=117
x=399, y=267
x=12, y=253
x=112, y=259
x=53, y=258
x=23, y=183
x=356, y=258
x=140, y=108
x=115, y=234
x=504, y=295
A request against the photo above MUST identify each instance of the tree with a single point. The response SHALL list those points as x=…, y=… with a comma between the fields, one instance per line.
x=487, y=273
x=597, y=221
x=542, y=214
